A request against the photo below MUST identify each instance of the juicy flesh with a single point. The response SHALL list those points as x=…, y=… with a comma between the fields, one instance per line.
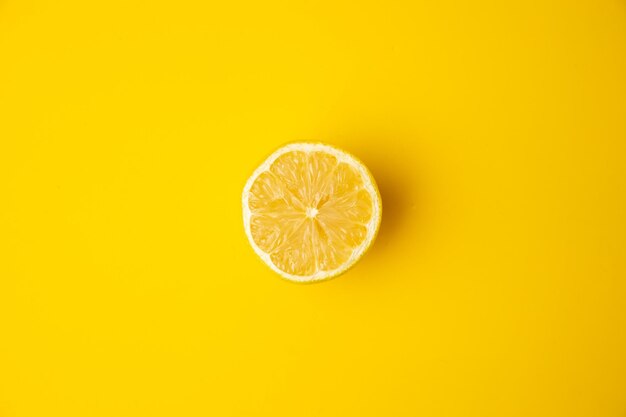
x=309, y=212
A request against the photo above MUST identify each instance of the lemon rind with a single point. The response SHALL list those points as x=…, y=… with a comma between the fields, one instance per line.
x=372, y=226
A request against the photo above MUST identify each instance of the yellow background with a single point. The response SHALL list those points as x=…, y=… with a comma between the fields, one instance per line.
x=496, y=131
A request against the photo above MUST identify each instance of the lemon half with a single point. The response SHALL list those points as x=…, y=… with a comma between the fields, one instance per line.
x=310, y=211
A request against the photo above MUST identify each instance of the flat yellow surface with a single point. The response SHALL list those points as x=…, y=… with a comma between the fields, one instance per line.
x=496, y=131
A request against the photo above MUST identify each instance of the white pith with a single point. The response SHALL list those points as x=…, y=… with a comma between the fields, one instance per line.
x=371, y=226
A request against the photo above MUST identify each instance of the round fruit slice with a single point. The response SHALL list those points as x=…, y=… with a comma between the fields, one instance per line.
x=311, y=211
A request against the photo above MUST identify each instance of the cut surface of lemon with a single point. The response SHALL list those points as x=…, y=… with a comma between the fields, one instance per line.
x=310, y=211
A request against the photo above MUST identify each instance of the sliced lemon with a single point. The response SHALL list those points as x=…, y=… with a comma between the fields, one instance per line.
x=311, y=211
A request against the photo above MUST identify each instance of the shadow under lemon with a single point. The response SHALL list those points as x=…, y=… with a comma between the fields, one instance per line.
x=394, y=173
